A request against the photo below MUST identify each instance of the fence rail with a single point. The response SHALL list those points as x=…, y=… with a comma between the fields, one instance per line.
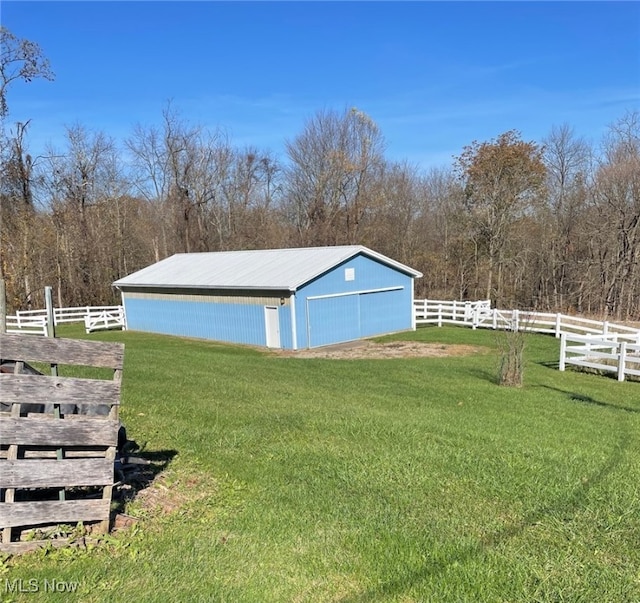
x=621, y=342
x=30, y=325
x=480, y=314
x=600, y=354
x=94, y=318
x=428, y=311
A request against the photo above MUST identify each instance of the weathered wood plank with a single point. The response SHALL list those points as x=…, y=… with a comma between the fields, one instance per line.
x=12, y=454
x=77, y=453
x=36, y=389
x=33, y=431
x=28, y=546
x=40, y=389
x=115, y=410
x=62, y=351
x=33, y=513
x=107, y=493
x=44, y=473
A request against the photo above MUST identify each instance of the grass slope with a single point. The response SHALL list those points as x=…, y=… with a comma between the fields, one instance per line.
x=366, y=480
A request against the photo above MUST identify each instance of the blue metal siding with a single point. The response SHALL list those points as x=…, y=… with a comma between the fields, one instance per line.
x=286, y=336
x=233, y=322
x=330, y=309
x=364, y=314
x=369, y=274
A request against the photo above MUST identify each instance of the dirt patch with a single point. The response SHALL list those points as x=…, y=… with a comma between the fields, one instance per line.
x=162, y=497
x=396, y=349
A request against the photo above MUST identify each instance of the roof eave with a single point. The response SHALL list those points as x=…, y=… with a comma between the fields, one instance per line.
x=207, y=287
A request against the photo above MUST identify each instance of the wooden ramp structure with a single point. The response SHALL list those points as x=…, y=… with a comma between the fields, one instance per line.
x=58, y=436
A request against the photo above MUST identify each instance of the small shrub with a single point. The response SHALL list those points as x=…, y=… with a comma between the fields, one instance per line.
x=511, y=344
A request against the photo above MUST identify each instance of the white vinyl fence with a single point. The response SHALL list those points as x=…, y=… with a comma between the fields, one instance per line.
x=602, y=345
x=102, y=319
x=602, y=354
x=428, y=311
x=94, y=318
x=28, y=325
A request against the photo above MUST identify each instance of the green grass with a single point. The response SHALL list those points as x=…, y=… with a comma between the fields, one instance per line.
x=310, y=480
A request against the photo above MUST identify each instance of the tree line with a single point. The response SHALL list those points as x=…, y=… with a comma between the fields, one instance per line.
x=549, y=225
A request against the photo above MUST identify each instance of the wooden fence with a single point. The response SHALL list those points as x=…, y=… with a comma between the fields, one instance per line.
x=94, y=318
x=617, y=346
x=58, y=437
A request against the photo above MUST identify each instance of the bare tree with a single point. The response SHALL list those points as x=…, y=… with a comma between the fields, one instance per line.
x=20, y=60
x=181, y=170
x=17, y=216
x=332, y=163
x=616, y=198
x=396, y=201
x=252, y=196
x=81, y=180
x=564, y=230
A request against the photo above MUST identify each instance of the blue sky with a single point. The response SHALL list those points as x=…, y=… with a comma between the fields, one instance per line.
x=434, y=76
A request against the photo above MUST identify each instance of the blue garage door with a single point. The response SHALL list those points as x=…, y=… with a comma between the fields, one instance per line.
x=362, y=314
x=382, y=312
x=333, y=320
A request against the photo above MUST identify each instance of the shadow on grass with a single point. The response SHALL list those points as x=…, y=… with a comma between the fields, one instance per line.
x=566, y=507
x=605, y=374
x=552, y=364
x=576, y=397
x=483, y=374
x=136, y=470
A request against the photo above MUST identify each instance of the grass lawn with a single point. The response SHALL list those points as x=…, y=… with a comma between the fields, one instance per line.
x=400, y=480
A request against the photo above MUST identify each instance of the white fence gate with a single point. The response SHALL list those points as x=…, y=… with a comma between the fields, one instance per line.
x=94, y=318
x=100, y=320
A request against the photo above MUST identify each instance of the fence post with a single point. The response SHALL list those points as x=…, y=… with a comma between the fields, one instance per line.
x=51, y=325
x=558, y=324
x=439, y=315
x=622, y=360
x=563, y=351
x=3, y=303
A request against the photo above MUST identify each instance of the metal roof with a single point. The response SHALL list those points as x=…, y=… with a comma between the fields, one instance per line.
x=271, y=269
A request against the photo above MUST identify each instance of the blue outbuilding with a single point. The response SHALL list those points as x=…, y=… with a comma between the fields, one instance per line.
x=278, y=298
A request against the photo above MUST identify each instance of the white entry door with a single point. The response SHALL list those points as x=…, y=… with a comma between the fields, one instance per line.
x=272, y=324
